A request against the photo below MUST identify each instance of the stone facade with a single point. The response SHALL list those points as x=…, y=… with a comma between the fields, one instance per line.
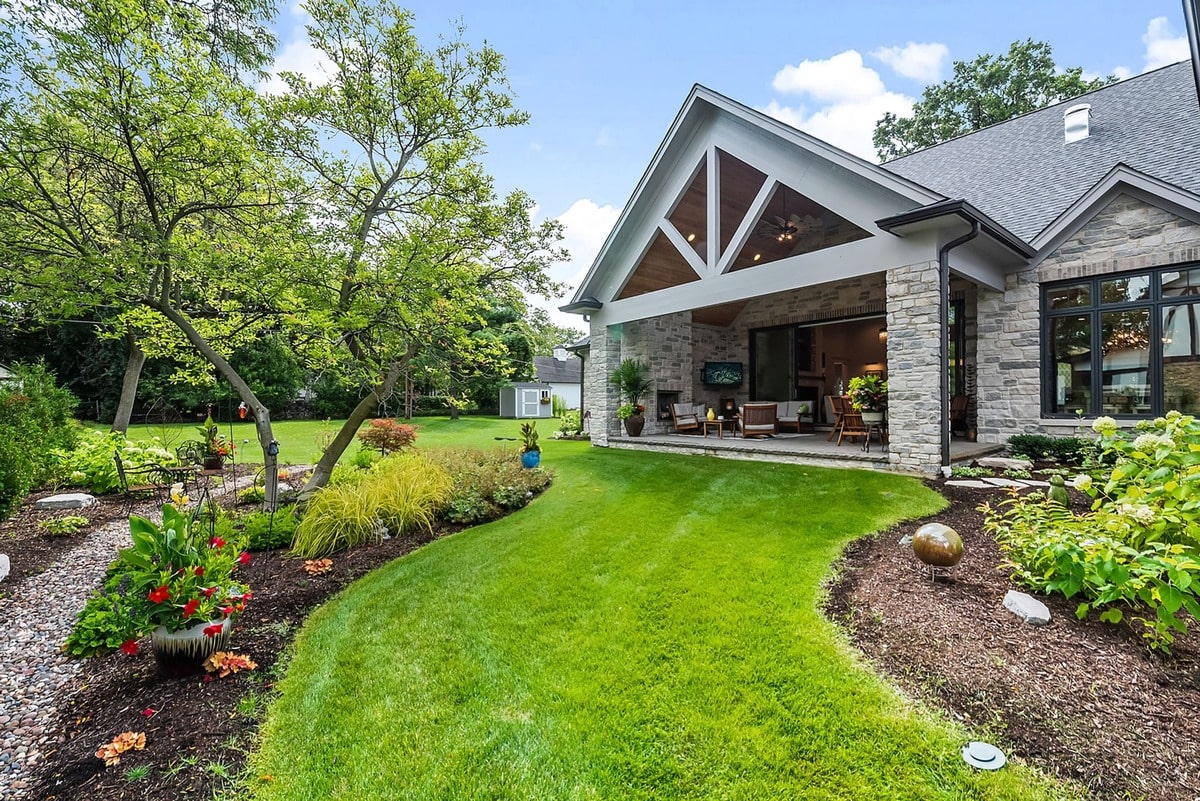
x=1127, y=234
x=914, y=406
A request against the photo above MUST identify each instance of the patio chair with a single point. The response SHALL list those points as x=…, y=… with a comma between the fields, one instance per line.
x=685, y=418
x=758, y=420
x=850, y=423
x=958, y=413
x=149, y=479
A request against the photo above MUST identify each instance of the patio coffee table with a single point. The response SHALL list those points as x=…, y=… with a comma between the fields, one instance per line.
x=719, y=424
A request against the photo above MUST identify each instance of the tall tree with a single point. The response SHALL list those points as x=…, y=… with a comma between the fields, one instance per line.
x=983, y=92
x=408, y=220
x=130, y=176
x=546, y=334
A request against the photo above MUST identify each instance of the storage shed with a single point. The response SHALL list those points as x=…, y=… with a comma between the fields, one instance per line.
x=526, y=399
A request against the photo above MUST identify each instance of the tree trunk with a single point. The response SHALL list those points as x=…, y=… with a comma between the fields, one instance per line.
x=345, y=435
x=262, y=416
x=135, y=359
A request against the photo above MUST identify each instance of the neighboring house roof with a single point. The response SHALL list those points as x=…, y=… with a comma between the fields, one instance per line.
x=552, y=371
x=1023, y=175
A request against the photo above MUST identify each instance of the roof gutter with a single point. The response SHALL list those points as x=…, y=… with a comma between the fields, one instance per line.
x=944, y=335
x=968, y=213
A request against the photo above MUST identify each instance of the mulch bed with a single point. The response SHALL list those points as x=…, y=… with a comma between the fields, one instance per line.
x=1084, y=700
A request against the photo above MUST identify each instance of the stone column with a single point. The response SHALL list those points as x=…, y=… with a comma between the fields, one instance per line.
x=914, y=405
x=600, y=395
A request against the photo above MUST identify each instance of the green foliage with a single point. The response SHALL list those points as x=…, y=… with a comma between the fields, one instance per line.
x=1137, y=547
x=983, y=92
x=632, y=379
x=174, y=575
x=398, y=494
x=529, y=438
x=966, y=471
x=362, y=459
x=558, y=406
x=67, y=526
x=255, y=494
x=1068, y=450
x=90, y=463
x=571, y=423
x=264, y=531
x=387, y=435
x=35, y=421
x=868, y=393
x=487, y=483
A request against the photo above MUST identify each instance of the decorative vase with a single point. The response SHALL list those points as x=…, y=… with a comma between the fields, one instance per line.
x=531, y=459
x=182, y=653
x=214, y=462
x=872, y=417
x=972, y=435
x=634, y=425
x=711, y=414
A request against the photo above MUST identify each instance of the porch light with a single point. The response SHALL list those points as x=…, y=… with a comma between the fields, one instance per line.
x=883, y=334
x=757, y=256
x=691, y=237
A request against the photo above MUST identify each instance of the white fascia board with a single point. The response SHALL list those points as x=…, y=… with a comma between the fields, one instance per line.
x=1121, y=179
x=863, y=257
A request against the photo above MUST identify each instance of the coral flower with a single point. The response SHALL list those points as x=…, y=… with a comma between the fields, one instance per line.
x=189, y=608
x=213, y=630
x=130, y=647
x=216, y=542
x=159, y=594
x=208, y=591
x=199, y=571
x=246, y=596
x=244, y=558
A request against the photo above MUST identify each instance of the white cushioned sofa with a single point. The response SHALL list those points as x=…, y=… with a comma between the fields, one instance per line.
x=793, y=415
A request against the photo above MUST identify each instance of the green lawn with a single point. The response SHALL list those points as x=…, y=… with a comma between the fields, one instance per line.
x=647, y=629
x=301, y=441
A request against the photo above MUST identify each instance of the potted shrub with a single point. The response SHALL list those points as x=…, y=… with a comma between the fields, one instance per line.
x=868, y=394
x=632, y=379
x=531, y=452
x=176, y=584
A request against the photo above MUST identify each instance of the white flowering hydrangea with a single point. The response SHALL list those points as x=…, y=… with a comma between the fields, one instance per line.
x=1082, y=482
x=1150, y=442
x=1105, y=426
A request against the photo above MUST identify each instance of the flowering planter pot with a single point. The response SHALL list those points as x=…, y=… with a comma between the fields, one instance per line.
x=214, y=462
x=634, y=425
x=182, y=653
x=872, y=417
x=531, y=459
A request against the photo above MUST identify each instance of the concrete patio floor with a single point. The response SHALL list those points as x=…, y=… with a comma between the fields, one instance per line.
x=809, y=448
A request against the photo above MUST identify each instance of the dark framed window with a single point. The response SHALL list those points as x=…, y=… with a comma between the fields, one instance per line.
x=958, y=347
x=1122, y=345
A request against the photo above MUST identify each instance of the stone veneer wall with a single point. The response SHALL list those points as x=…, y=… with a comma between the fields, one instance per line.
x=914, y=405
x=1127, y=234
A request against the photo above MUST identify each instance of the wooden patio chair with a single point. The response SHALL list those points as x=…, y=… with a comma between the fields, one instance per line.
x=758, y=420
x=149, y=479
x=850, y=423
x=958, y=413
x=685, y=419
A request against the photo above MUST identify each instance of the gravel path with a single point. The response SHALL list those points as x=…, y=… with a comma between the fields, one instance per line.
x=35, y=619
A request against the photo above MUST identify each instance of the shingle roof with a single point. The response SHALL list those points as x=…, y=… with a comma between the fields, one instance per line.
x=551, y=371
x=1023, y=175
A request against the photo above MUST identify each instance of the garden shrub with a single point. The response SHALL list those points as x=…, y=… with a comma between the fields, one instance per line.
x=255, y=494
x=90, y=463
x=1137, y=548
x=1068, y=450
x=571, y=423
x=35, y=423
x=264, y=531
x=387, y=436
x=487, y=483
x=396, y=495
x=67, y=526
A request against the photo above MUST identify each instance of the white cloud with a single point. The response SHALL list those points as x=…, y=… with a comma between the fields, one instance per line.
x=300, y=57
x=585, y=227
x=840, y=78
x=1163, y=48
x=1122, y=73
x=919, y=61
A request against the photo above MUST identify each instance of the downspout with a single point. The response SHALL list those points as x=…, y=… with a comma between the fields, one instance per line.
x=944, y=337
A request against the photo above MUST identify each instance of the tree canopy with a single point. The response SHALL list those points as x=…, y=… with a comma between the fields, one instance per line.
x=983, y=92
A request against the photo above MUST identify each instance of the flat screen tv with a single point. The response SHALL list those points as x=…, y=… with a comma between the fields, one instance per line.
x=722, y=374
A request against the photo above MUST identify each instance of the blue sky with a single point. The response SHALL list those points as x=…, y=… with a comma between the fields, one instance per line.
x=603, y=80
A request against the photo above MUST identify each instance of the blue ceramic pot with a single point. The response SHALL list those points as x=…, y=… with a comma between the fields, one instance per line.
x=531, y=459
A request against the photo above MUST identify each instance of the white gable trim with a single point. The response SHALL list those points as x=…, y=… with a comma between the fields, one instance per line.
x=701, y=106
x=1121, y=179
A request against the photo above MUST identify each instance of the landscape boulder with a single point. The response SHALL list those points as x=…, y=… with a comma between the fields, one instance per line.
x=1026, y=607
x=66, y=500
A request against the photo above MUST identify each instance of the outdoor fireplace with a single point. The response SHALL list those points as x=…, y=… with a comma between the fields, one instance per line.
x=662, y=403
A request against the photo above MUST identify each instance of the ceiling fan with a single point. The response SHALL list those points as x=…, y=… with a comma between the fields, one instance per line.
x=786, y=229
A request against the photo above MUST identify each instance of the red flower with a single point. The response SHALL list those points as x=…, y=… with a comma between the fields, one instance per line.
x=227, y=611
x=213, y=630
x=216, y=542
x=159, y=594
x=208, y=591
x=244, y=558
x=246, y=596
x=148, y=711
x=189, y=608
x=130, y=647
x=199, y=571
